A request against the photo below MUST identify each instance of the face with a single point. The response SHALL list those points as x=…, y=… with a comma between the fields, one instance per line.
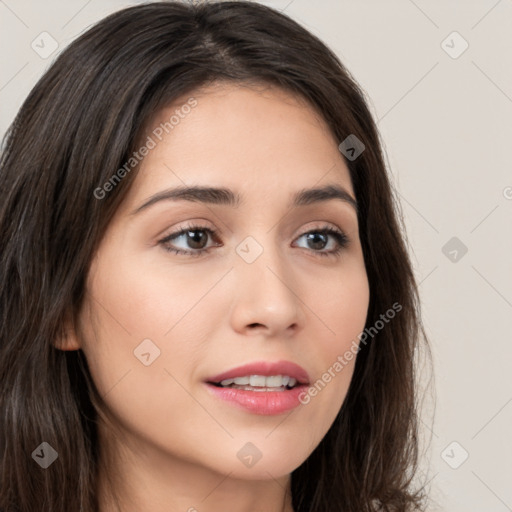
x=186, y=291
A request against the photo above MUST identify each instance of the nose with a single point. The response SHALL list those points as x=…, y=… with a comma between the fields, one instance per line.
x=265, y=299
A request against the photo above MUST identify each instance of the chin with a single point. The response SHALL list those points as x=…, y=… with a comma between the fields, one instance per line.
x=261, y=459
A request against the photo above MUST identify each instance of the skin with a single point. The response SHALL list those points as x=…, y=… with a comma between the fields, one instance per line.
x=172, y=445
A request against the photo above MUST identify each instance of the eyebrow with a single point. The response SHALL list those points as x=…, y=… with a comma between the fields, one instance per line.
x=226, y=197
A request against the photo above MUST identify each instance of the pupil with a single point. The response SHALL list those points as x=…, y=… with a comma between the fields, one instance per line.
x=195, y=237
x=314, y=237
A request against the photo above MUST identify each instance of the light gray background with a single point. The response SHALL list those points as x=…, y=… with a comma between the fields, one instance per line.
x=446, y=123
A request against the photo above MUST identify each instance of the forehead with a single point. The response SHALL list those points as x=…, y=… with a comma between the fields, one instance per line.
x=256, y=140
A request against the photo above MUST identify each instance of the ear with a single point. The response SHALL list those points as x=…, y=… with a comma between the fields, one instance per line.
x=68, y=339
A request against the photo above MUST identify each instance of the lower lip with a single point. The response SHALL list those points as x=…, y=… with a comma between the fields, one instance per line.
x=260, y=402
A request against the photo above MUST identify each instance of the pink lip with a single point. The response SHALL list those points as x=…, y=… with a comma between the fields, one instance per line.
x=262, y=402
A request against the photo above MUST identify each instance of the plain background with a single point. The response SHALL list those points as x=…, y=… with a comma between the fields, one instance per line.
x=445, y=120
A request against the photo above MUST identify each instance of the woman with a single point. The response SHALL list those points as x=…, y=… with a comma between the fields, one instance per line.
x=207, y=303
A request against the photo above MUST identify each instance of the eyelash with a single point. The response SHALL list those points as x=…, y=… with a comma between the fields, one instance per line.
x=340, y=237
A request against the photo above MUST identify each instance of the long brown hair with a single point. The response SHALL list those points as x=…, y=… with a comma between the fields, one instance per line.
x=77, y=127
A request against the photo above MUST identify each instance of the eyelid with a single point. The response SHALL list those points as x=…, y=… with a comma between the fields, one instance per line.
x=189, y=227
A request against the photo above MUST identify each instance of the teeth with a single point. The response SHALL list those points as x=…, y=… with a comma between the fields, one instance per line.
x=273, y=381
x=260, y=381
x=257, y=380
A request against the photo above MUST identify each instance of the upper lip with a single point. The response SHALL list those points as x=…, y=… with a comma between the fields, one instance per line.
x=265, y=368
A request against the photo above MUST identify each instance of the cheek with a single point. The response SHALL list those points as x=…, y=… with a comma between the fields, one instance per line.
x=341, y=317
x=144, y=298
x=137, y=314
x=343, y=302
x=141, y=341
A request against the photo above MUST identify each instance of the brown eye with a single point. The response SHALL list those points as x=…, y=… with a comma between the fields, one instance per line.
x=317, y=240
x=194, y=238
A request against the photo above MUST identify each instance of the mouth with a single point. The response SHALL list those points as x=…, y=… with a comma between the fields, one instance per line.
x=264, y=388
x=258, y=383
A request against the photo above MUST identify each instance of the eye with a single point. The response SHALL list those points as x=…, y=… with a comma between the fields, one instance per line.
x=196, y=239
x=318, y=239
x=196, y=236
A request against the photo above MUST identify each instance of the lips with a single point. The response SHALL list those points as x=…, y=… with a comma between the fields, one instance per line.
x=264, y=388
